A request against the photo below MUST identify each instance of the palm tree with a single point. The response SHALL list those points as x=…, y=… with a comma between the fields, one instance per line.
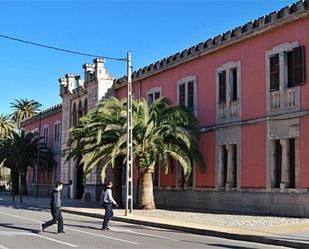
x=23, y=109
x=6, y=126
x=95, y=137
x=19, y=151
x=161, y=132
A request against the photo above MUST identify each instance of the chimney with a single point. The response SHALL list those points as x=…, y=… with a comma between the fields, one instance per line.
x=99, y=69
x=88, y=71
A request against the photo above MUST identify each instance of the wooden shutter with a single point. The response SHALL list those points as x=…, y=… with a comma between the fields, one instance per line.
x=157, y=95
x=290, y=56
x=191, y=95
x=299, y=65
x=182, y=92
x=274, y=72
x=150, y=98
x=234, y=84
x=222, y=86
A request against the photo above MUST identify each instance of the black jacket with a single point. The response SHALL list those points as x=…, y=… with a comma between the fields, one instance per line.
x=55, y=201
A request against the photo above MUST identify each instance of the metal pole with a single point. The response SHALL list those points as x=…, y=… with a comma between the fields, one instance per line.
x=38, y=159
x=129, y=171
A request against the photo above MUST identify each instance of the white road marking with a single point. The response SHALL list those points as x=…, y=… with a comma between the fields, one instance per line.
x=98, y=235
x=107, y=237
x=54, y=240
x=3, y=247
x=144, y=234
x=37, y=235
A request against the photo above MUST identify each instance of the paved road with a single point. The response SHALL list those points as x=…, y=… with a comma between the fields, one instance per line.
x=19, y=228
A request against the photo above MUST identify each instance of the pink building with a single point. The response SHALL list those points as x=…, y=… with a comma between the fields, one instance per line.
x=47, y=124
x=248, y=89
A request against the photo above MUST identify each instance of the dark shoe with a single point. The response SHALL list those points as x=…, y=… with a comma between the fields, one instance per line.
x=42, y=228
x=61, y=232
x=106, y=228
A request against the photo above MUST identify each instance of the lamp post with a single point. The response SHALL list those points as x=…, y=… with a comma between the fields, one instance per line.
x=129, y=165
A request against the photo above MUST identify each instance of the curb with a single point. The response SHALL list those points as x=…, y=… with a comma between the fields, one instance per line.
x=249, y=238
x=226, y=235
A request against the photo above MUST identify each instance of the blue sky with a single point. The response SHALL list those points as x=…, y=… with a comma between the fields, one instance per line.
x=150, y=29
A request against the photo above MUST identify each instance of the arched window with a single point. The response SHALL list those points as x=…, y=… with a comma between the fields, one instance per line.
x=74, y=115
x=85, y=106
x=80, y=110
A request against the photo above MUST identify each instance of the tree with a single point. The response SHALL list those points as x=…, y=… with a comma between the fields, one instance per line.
x=23, y=109
x=95, y=137
x=161, y=133
x=19, y=151
x=6, y=126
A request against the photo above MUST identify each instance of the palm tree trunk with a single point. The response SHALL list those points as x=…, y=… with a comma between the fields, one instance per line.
x=14, y=180
x=24, y=183
x=147, y=198
x=118, y=184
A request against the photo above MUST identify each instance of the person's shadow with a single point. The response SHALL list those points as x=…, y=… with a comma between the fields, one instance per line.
x=9, y=225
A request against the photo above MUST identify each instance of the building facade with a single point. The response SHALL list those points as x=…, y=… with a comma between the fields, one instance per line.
x=79, y=96
x=45, y=124
x=249, y=91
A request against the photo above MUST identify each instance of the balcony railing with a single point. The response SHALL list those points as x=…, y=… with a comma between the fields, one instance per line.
x=290, y=97
x=275, y=100
x=229, y=110
x=222, y=110
x=233, y=109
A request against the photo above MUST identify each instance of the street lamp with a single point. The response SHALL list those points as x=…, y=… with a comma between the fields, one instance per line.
x=129, y=164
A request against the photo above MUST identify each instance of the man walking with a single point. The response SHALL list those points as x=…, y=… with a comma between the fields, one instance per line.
x=108, y=201
x=55, y=205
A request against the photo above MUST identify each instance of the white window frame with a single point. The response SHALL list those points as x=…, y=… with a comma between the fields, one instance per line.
x=282, y=50
x=55, y=140
x=227, y=67
x=185, y=80
x=229, y=80
x=152, y=92
x=46, y=139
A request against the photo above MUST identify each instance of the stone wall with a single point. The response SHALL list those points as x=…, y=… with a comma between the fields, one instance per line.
x=253, y=202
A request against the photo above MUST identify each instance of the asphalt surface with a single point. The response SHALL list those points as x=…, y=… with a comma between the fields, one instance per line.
x=20, y=229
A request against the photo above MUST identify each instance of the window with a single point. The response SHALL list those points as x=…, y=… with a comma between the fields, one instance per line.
x=57, y=133
x=295, y=61
x=187, y=92
x=191, y=95
x=274, y=72
x=228, y=83
x=286, y=66
x=233, y=74
x=153, y=94
x=182, y=94
x=222, y=87
x=45, y=134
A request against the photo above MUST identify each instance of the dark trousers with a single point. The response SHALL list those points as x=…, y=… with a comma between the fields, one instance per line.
x=57, y=217
x=109, y=213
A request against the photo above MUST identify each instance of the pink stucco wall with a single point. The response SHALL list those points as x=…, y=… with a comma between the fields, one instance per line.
x=50, y=121
x=250, y=53
x=207, y=144
x=253, y=156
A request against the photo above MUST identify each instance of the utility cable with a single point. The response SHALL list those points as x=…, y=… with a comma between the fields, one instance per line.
x=60, y=49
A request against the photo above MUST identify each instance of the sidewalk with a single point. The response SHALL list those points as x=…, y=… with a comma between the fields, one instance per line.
x=289, y=232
